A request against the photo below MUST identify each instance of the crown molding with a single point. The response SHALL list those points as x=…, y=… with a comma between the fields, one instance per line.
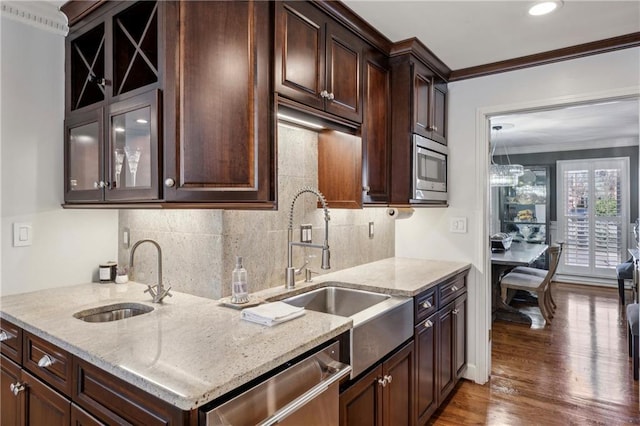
x=44, y=15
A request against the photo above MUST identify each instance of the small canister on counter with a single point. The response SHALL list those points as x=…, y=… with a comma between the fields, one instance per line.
x=107, y=272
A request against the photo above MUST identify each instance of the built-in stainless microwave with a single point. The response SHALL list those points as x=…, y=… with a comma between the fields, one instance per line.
x=429, y=170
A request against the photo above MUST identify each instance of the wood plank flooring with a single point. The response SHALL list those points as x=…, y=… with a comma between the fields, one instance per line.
x=575, y=371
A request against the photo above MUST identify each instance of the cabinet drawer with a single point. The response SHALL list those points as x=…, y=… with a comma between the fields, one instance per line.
x=114, y=401
x=11, y=341
x=450, y=289
x=426, y=303
x=48, y=362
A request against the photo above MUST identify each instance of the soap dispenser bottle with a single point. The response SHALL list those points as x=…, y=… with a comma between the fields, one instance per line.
x=239, y=287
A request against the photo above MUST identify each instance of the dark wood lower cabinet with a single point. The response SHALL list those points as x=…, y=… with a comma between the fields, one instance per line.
x=34, y=404
x=425, y=337
x=79, y=417
x=384, y=395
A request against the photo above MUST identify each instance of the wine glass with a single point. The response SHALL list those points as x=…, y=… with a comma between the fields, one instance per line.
x=133, y=157
x=119, y=159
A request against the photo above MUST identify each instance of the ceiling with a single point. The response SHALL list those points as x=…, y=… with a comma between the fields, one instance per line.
x=471, y=33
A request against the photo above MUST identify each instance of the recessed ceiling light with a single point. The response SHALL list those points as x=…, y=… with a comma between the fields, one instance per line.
x=544, y=7
x=141, y=121
x=119, y=129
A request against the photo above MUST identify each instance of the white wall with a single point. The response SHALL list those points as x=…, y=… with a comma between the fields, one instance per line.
x=68, y=245
x=426, y=234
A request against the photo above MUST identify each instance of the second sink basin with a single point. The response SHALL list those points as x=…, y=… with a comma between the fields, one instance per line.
x=113, y=312
x=381, y=322
x=344, y=302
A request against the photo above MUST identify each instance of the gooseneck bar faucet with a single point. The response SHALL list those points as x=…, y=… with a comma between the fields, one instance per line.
x=290, y=272
x=157, y=292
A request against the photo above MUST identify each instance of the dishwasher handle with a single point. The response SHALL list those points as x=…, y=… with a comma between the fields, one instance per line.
x=341, y=370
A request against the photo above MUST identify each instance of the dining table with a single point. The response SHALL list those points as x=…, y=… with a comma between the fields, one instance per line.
x=520, y=253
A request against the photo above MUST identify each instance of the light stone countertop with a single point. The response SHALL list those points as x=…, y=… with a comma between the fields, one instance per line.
x=187, y=351
x=190, y=350
x=396, y=276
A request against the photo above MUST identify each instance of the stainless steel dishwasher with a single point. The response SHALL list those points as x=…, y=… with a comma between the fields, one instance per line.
x=305, y=393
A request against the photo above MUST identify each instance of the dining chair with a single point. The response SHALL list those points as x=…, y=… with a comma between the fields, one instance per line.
x=535, y=282
x=553, y=266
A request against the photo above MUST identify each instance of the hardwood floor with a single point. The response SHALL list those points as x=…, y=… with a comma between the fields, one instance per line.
x=574, y=371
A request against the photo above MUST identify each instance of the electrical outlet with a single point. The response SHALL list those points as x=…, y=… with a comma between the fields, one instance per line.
x=125, y=238
x=22, y=234
x=370, y=230
x=306, y=233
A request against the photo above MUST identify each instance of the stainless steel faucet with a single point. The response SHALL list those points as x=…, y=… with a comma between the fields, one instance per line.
x=291, y=272
x=157, y=292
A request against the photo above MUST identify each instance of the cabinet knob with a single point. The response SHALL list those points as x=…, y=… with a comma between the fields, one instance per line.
x=99, y=184
x=16, y=388
x=330, y=96
x=169, y=182
x=455, y=312
x=454, y=288
x=100, y=81
x=427, y=304
x=45, y=361
x=389, y=378
x=383, y=381
x=428, y=324
x=4, y=336
x=324, y=94
x=366, y=188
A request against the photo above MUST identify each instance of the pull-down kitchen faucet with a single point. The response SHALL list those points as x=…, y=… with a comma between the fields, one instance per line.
x=290, y=280
x=157, y=292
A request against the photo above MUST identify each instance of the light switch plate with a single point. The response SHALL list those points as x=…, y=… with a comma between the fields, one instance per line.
x=458, y=225
x=22, y=234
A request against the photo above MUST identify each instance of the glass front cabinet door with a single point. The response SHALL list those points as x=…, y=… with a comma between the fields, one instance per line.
x=117, y=161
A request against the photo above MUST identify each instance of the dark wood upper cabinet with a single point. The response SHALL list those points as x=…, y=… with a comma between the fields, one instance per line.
x=429, y=103
x=219, y=110
x=318, y=62
x=376, y=128
x=112, y=54
x=339, y=165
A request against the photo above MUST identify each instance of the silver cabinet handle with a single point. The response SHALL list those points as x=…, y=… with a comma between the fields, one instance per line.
x=428, y=324
x=383, y=381
x=454, y=288
x=389, y=378
x=4, y=336
x=366, y=189
x=99, y=184
x=427, y=304
x=169, y=182
x=324, y=94
x=330, y=96
x=455, y=312
x=16, y=388
x=45, y=361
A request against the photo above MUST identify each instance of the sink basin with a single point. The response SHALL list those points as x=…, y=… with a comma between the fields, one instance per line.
x=344, y=302
x=113, y=312
x=381, y=322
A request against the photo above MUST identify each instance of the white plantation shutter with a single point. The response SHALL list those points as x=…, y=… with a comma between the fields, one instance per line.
x=592, y=215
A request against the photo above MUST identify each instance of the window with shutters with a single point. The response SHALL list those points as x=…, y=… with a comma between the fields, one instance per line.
x=593, y=209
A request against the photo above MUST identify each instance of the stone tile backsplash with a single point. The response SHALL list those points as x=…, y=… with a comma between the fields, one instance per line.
x=199, y=246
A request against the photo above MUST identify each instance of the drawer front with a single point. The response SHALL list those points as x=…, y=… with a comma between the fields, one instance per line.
x=11, y=341
x=426, y=303
x=452, y=288
x=114, y=401
x=48, y=362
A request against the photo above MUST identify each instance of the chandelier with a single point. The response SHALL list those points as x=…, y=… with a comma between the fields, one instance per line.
x=503, y=174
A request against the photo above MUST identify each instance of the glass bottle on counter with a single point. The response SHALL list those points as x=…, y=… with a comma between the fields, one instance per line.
x=239, y=286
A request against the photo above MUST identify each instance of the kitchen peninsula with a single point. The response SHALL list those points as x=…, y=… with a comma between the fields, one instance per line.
x=190, y=350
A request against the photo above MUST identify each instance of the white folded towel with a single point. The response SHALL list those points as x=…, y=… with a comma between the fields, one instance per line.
x=272, y=313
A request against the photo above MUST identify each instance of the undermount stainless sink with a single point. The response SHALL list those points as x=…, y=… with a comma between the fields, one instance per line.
x=113, y=312
x=381, y=322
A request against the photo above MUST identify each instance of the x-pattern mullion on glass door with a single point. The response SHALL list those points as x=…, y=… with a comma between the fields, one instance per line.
x=136, y=45
x=90, y=74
